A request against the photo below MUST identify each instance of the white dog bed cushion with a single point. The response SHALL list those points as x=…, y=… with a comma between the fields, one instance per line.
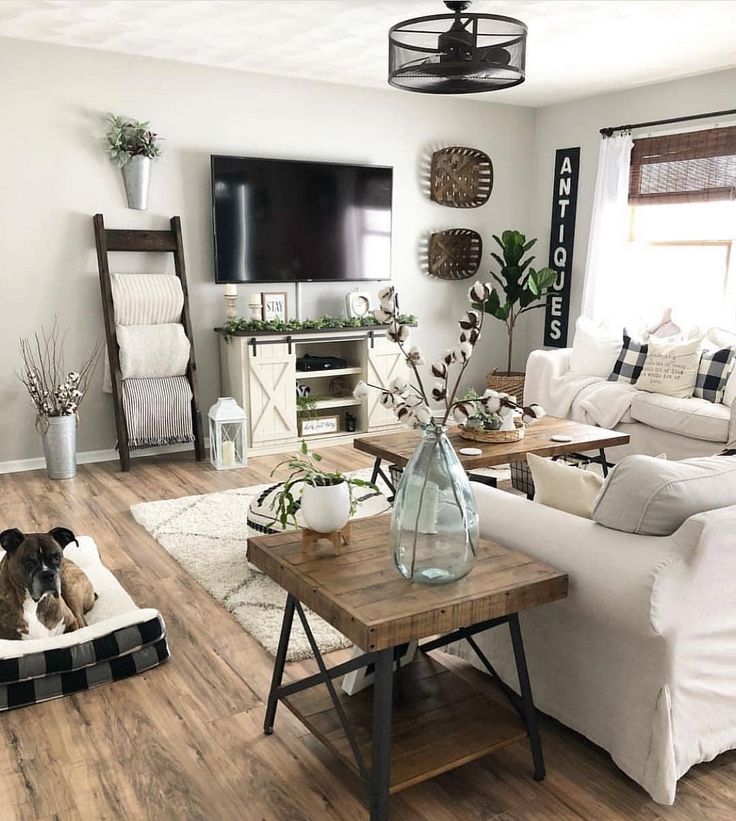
x=120, y=640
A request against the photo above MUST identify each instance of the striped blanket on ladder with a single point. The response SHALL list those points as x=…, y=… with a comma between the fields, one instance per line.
x=158, y=411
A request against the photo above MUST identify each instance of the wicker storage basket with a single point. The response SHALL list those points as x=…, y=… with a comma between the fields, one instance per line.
x=493, y=436
x=512, y=383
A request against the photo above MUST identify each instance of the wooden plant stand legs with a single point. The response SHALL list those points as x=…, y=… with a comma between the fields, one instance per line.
x=337, y=538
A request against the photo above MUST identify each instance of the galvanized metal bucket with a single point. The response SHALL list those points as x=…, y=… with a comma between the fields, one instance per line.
x=59, y=434
x=137, y=178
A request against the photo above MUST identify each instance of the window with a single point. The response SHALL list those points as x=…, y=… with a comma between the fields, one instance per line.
x=681, y=256
x=682, y=198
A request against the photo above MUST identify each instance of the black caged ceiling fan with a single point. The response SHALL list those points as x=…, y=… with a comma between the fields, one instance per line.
x=457, y=53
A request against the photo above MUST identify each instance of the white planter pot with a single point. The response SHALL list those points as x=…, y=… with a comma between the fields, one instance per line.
x=325, y=509
x=137, y=178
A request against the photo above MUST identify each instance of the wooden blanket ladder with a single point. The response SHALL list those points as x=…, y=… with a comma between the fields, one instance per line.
x=108, y=240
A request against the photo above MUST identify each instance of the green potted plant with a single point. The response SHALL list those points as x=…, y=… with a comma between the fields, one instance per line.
x=132, y=145
x=520, y=288
x=327, y=500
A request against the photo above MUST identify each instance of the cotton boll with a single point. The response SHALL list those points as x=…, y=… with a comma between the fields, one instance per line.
x=361, y=390
x=470, y=319
x=386, y=400
x=439, y=369
x=463, y=412
x=492, y=404
x=416, y=356
x=387, y=298
x=479, y=292
x=399, y=384
x=411, y=400
x=464, y=351
x=439, y=391
x=382, y=317
x=422, y=414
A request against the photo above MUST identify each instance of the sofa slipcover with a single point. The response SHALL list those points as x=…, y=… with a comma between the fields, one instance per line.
x=696, y=418
x=641, y=656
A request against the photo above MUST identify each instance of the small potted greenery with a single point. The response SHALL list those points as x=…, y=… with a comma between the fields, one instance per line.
x=521, y=288
x=132, y=145
x=306, y=408
x=327, y=500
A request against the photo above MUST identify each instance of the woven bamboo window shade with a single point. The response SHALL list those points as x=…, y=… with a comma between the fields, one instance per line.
x=698, y=166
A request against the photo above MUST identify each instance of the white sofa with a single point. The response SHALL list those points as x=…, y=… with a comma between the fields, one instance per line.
x=641, y=656
x=681, y=428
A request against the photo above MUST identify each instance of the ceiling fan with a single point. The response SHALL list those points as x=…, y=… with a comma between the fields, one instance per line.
x=457, y=53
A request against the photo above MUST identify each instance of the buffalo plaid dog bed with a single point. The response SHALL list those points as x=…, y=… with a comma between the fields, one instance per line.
x=120, y=640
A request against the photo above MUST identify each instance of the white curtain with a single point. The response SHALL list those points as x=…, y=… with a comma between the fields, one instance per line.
x=608, y=231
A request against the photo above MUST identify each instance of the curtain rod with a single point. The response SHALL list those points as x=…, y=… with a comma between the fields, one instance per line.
x=607, y=132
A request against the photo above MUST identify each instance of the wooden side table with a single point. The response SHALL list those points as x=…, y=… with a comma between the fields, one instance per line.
x=421, y=720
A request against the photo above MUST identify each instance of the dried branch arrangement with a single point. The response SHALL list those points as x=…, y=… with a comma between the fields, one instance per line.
x=53, y=390
x=410, y=401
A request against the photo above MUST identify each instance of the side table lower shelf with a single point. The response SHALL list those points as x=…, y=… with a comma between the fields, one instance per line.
x=439, y=723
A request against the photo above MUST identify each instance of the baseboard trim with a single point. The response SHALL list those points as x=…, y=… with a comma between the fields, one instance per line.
x=89, y=456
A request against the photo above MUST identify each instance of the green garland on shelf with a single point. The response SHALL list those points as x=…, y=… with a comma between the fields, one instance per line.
x=242, y=325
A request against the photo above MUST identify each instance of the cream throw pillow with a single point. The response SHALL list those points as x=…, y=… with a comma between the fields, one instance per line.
x=654, y=497
x=564, y=487
x=671, y=368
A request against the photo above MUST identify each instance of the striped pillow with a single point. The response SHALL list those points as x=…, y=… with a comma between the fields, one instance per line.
x=713, y=372
x=631, y=359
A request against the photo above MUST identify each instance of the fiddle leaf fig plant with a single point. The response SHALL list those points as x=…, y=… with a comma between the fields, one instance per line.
x=520, y=288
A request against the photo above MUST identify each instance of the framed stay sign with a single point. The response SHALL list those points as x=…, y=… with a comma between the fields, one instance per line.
x=274, y=306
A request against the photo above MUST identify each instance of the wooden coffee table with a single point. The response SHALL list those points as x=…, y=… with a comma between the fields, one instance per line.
x=420, y=720
x=397, y=448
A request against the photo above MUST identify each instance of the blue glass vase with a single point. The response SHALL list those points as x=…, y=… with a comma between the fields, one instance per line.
x=434, y=525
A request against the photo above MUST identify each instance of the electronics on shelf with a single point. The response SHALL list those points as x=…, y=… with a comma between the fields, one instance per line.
x=320, y=363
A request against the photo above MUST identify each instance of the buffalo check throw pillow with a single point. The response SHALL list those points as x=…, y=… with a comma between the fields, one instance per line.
x=631, y=359
x=713, y=372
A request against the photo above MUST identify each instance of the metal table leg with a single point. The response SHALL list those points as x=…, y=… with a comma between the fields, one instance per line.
x=278, y=667
x=604, y=463
x=378, y=471
x=381, y=757
x=527, y=702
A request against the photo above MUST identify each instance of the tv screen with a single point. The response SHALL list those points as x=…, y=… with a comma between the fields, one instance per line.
x=290, y=221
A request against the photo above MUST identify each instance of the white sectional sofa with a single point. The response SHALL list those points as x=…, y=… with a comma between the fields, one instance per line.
x=681, y=428
x=641, y=656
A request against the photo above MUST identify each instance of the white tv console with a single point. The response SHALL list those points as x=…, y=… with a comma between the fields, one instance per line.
x=259, y=371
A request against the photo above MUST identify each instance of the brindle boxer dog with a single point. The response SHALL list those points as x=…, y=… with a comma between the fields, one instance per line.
x=41, y=594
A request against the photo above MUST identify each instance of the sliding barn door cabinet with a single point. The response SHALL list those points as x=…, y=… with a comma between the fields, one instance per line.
x=260, y=372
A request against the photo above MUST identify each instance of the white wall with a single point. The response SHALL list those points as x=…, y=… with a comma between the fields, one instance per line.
x=577, y=124
x=54, y=175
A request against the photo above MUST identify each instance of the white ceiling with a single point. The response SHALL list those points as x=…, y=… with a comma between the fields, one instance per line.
x=576, y=48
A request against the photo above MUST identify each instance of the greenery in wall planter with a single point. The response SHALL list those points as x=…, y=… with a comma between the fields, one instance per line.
x=132, y=145
x=521, y=288
x=243, y=325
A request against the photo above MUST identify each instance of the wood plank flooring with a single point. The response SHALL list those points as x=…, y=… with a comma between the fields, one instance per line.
x=184, y=741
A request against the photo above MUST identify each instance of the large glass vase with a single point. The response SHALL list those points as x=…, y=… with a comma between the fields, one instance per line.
x=434, y=526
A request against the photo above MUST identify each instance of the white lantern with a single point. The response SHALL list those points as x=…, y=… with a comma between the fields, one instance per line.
x=227, y=434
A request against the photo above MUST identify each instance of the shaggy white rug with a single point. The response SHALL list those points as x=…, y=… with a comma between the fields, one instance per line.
x=207, y=535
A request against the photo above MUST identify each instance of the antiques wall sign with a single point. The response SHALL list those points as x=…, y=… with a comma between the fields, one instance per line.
x=561, y=242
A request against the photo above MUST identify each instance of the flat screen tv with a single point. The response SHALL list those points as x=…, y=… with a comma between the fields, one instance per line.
x=292, y=221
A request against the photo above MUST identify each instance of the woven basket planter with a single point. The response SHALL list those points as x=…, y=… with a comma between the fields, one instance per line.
x=493, y=436
x=512, y=383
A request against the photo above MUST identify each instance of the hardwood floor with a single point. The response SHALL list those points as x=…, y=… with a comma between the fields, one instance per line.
x=185, y=742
